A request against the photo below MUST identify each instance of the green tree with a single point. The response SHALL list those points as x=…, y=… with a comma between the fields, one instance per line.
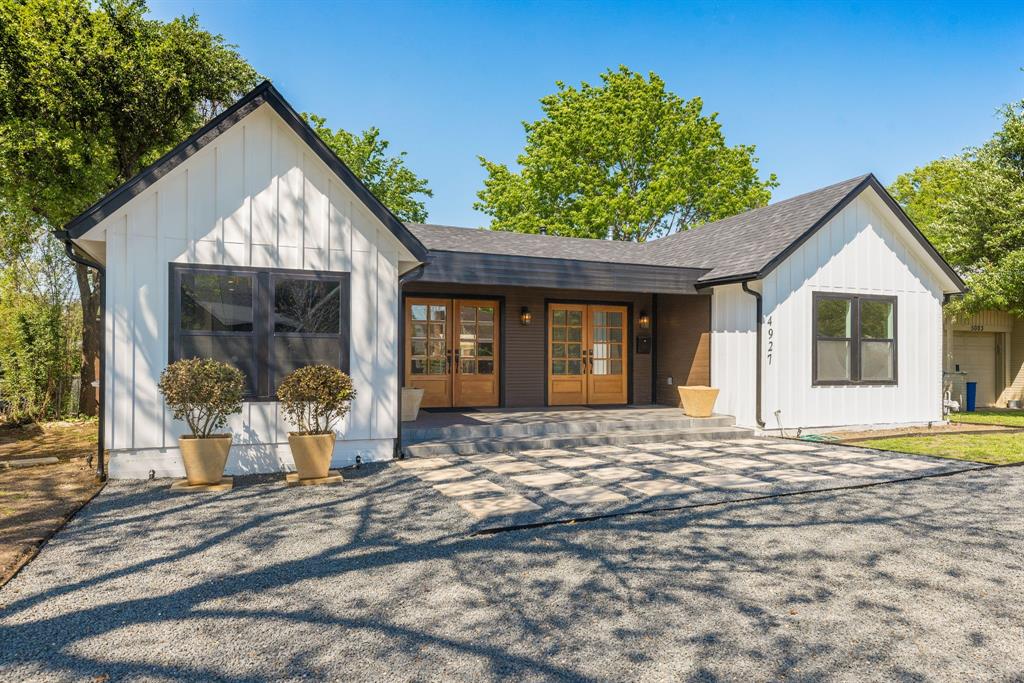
x=971, y=206
x=387, y=177
x=625, y=160
x=90, y=94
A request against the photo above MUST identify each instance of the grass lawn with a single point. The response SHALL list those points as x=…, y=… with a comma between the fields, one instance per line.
x=995, y=448
x=1010, y=418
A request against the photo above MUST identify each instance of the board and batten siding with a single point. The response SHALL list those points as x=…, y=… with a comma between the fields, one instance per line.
x=861, y=250
x=256, y=196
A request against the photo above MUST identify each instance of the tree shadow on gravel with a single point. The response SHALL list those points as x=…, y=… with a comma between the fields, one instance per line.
x=378, y=580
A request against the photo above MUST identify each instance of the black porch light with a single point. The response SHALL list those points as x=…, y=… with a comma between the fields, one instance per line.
x=525, y=317
x=644, y=320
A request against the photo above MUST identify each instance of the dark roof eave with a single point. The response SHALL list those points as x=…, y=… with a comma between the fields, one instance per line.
x=265, y=92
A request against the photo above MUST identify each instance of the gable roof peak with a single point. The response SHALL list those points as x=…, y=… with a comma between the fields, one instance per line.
x=264, y=93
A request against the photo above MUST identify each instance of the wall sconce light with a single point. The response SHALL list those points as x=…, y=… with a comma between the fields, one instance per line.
x=525, y=317
x=644, y=320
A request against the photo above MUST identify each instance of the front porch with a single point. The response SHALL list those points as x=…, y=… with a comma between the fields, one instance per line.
x=499, y=430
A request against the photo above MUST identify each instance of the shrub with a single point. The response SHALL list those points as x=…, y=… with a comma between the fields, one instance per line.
x=202, y=392
x=315, y=397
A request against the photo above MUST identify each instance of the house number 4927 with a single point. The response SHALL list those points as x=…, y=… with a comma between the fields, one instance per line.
x=771, y=339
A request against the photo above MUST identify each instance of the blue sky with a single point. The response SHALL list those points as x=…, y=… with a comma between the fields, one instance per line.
x=826, y=91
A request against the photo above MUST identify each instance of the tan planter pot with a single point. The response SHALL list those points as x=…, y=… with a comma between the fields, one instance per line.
x=205, y=458
x=698, y=401
x=411, y=400
x=312, y=454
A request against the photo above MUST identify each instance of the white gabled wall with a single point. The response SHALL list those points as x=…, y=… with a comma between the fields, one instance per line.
x=862, y=250
x=256, y=196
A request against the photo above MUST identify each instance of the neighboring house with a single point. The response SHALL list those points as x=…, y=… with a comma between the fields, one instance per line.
x=986, y=348
x=235, y=243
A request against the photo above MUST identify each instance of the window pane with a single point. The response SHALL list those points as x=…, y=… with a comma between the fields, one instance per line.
x=833, y=361
x=485, y=331
x=419, y=330
x=486, y=313
x=574, y=350
x=307, y=306
x=558, y=317
x=558, y=333
x=213, y=302
x=574, y=367
x=876, y=361
x=833, y=317
x=558, y=367
x=616, y=367
x=419, y=367
x=614, y=319
x=468, y=330
x=236, y=350
x=600, y=318
x=485, y=367
x=876, y=319
x=438, y=312
x=575, y=333
x=575, y=317
x=615, y=334
x=467, y=366
x=419, y=347
x=291, y=353
x=467, y=348
x=419, y=312
x=558, y=350
x=485, y=349
x=468, y=313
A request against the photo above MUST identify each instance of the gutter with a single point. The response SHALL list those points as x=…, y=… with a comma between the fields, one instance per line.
x=69, y=248
x=760, y=312
x=409, y=276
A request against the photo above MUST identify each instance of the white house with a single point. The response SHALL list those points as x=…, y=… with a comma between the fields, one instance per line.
x=207, y=251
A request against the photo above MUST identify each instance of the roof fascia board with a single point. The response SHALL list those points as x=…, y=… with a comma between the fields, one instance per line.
x=262, y=93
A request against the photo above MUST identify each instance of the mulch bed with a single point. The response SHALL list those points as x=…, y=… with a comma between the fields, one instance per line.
x=35, y=502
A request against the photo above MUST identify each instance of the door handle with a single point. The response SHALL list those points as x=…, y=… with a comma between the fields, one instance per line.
x=458, y=356
x=448, y=362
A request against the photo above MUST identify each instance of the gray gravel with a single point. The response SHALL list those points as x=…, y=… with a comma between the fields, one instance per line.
x=378, y=580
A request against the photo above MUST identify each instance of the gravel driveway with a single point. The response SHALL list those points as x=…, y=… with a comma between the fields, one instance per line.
x=378, y=580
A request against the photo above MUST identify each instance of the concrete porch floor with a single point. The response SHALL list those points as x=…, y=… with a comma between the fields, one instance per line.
x=432, y=418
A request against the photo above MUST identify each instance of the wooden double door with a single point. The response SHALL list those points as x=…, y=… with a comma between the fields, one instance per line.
x=451, y=351
x=587, y=354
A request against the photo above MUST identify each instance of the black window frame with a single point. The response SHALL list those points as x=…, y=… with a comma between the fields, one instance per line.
x=855, y=339
x=263, y=332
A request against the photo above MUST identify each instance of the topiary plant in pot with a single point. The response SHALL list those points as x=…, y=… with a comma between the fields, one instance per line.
x=203, y=392
x=314, y=398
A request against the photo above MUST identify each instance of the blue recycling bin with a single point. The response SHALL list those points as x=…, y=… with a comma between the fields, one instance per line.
x=972, y=396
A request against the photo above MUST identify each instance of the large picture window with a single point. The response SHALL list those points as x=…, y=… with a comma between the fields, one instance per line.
x=854, y=339
x=264, y=322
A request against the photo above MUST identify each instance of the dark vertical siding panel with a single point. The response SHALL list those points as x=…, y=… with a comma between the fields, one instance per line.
x=525, y=354
x=684, y=344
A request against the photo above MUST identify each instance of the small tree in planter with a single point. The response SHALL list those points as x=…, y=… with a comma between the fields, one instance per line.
x=203, y=392
x=314, y=398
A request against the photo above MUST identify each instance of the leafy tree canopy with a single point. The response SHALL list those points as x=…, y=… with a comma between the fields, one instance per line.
x=387, y=177
x=624, y=159
x=971, y=207
x=91, y=94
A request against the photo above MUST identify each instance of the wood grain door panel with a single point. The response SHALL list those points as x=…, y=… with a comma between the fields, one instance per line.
x=587, y=359
x=427, y=350
x=476, y=347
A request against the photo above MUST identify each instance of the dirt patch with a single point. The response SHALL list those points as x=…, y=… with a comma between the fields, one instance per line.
x=34, y=503
x=42, y=439
x=953, y=428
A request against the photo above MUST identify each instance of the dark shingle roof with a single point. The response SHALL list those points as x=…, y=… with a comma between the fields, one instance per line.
x=738, y=245
x=746, y=243
x=746, y=246
x=483, y=241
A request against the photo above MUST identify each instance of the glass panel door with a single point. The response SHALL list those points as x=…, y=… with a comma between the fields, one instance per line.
x=607, y=382
x=587, y=361
x=428, y=361
x=476, y=367
x=567, y=361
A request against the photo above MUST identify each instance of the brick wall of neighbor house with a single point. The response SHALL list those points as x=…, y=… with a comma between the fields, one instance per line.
x=523, y=346
x=684, y=344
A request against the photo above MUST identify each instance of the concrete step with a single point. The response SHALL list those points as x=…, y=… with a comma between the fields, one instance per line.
x=615, y=437
x=568, y=426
